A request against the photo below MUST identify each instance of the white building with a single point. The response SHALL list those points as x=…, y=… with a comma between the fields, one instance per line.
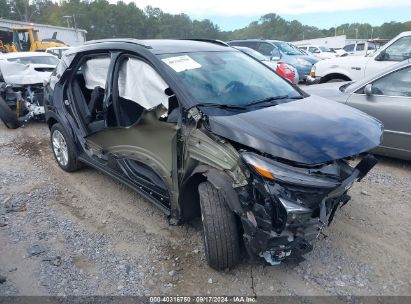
x=336, y=42
x=70, y=36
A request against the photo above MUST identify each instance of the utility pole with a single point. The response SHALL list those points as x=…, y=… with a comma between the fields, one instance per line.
x=335, y=30
x=356, y=33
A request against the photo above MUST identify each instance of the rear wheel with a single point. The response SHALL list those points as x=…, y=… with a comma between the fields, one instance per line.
x=8, y=116
x=221, y=237
x=64, y=150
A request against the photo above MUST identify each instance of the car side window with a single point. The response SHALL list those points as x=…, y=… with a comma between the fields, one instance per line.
x=88, y=86
x=266, y=49
x=251, y=44
x=360, y=47
x=398, y=51
x=349, y=48
x=397, y=83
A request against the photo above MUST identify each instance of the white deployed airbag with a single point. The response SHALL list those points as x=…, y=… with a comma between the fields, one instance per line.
x=140, y=83
x=95, y=72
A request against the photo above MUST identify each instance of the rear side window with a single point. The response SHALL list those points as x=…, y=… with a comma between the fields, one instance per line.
x=360, y=47
x=251, y=44
x=265, y=49
x=60, y=69
x=95, y=72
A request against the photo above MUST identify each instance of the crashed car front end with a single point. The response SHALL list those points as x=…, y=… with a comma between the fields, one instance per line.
x=22, y=91
x=287, y=206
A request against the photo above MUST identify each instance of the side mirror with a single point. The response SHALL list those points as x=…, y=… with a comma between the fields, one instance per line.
x=368, y=89
x=380, y=56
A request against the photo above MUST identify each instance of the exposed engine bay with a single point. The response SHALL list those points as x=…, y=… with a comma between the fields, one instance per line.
x=24, y=102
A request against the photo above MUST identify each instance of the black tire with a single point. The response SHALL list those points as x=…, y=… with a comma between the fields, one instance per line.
x=335, y=80
x=8, y=117
x=72, y=164
x=221, y=237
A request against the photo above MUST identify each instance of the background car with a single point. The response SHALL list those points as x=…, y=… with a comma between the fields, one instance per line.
x=321, y=52
x=358, y=67
x=22, y=76
x=386, y=96
x=276, y=50
x=287, y=71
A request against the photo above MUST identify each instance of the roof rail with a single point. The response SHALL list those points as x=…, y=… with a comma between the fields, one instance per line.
x=215, y=41
x=126, y=40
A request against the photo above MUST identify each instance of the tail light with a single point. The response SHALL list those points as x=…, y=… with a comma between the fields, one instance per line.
x=286, y=71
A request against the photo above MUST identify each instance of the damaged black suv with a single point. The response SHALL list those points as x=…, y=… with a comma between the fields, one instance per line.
x=202, y=129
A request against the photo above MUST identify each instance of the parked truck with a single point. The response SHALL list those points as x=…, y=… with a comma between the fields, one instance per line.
x=357, y=67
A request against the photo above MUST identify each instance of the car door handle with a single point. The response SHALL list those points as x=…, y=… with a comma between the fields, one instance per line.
x=356, y=68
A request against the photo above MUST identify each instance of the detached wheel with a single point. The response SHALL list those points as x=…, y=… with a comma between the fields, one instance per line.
x=8, y=117
x=64, y=150
x=221, y=238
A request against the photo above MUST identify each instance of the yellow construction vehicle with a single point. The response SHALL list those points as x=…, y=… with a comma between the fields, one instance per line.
x=25, y=39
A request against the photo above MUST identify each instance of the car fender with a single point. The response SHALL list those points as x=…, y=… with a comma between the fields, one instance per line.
x=223, y=183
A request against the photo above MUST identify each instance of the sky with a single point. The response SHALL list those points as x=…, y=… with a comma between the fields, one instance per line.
x=234, y=14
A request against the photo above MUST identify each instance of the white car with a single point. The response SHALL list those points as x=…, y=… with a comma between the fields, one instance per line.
x=321, y=52
x=22, y=76
x=357, y=67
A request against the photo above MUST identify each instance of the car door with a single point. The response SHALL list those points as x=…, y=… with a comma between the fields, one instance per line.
x=140, y=137
x=390, y=102
x=398, y=51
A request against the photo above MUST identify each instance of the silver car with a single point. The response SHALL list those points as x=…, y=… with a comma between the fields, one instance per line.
x=386, y=96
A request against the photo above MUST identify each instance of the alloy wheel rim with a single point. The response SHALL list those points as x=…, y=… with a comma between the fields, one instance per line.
x=60, y=148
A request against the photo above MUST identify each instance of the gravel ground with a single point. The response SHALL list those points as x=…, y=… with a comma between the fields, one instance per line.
x=85, y=234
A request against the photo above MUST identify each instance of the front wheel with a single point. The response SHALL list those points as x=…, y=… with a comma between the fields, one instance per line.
x=64, y=150
x=221, y=237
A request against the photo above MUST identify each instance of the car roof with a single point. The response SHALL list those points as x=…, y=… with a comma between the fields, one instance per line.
x=157, y=46
x=24, y=54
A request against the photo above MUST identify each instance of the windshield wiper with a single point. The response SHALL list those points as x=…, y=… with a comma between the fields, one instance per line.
x=220, y=105
x=273, y=98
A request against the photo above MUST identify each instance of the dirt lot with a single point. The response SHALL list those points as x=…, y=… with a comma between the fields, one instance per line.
x=85, y=234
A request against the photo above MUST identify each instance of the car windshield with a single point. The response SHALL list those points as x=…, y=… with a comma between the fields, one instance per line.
x=50, y=60
x=286, y=48
x=228, y=78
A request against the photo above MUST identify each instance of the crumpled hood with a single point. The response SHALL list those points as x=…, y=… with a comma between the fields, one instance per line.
x=24, y=74
x=310, y=131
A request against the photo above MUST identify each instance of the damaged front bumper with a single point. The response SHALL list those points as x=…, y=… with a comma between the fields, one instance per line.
x=284, y=217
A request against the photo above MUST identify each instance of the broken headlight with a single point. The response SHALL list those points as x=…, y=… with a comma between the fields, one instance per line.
x=280, y=172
